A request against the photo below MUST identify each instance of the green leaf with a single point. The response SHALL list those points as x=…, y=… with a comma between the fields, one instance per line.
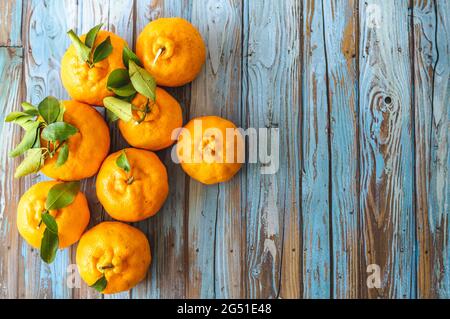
x=28, y=106
x=125, y=91
x=121, y=109
x=25, y=121
x=28, y=140
x=59, y=131
x=103, y=50
x=62, y=195
x=31, y=164
x=119, y=83
x=49, y=109
x=49, y=246
x=128, y=99
x=50, y=222
x=122, y=162
x=13, y=116
x=128, y=55
x=142, y=81
x=33, y=112
x=92, y=35
x=62, y=155
x=30, y=109
x=110, y=116
x=118, y=78
x=82, y=49
x=100, y=284
x=62, y=110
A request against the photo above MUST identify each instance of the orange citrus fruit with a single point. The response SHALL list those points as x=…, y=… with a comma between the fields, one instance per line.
x=210, y=157
x=87, y=148
x=88, y=85
x=172, y=50
x=134, y=195
x=155, y=131
x=71, y=220
x=117, y=251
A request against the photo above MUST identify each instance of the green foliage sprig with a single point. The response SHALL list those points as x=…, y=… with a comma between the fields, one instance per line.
x=125, y=84
x=59, y=196
x=87, y=51
x=46, y=122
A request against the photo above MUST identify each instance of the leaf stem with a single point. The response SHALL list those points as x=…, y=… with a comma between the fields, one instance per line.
x=40, y=222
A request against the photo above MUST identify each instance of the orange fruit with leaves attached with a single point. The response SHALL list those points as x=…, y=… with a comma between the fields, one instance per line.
x=71, y=220
x=88, y=84
x=210, y=149
x=116, y=251
x=154, y=132
x=172, y=50
x=87, y=148
x=135, y=194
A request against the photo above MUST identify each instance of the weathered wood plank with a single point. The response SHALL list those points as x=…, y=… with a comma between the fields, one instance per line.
x=117, y=17
x=431, y=105
x=220, y=90
x=168, y=274
x=341, y=37
x=45, y=40
x=10, y=188
x=10, y=23
x=386, y=191
x=315, y=161
x=271, y=99
x=215, y=93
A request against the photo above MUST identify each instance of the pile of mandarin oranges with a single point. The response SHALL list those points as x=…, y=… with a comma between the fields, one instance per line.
x=69, y=141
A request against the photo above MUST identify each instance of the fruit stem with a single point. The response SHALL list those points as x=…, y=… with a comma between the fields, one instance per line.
x=110, y=266
x=130, y=180
x=158, y=54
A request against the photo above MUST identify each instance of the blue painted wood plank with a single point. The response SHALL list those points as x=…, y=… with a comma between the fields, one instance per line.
x=10, y=188
x=340, y=27
x=45, y=26
x=386, y=156
x=167, y=230
x=11, y=23
x=431, y=101
x=213, y=93
x=315, y=157
x=220, y=23
x=271, y=100
x=116, y=18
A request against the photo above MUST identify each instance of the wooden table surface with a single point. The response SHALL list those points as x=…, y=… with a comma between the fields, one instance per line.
x=360, y=92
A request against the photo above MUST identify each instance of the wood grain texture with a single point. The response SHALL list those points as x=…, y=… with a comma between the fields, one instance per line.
x=341, y=36
x=214, y=224
x=117, y=17
x=315, y=157
x=431, y=105
x=362, y=180
x=167, y=230
x=271, y=97
x=11, y=23
x=10, y=189
x=218, y=92
x=386, y=190
x=45, y=42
